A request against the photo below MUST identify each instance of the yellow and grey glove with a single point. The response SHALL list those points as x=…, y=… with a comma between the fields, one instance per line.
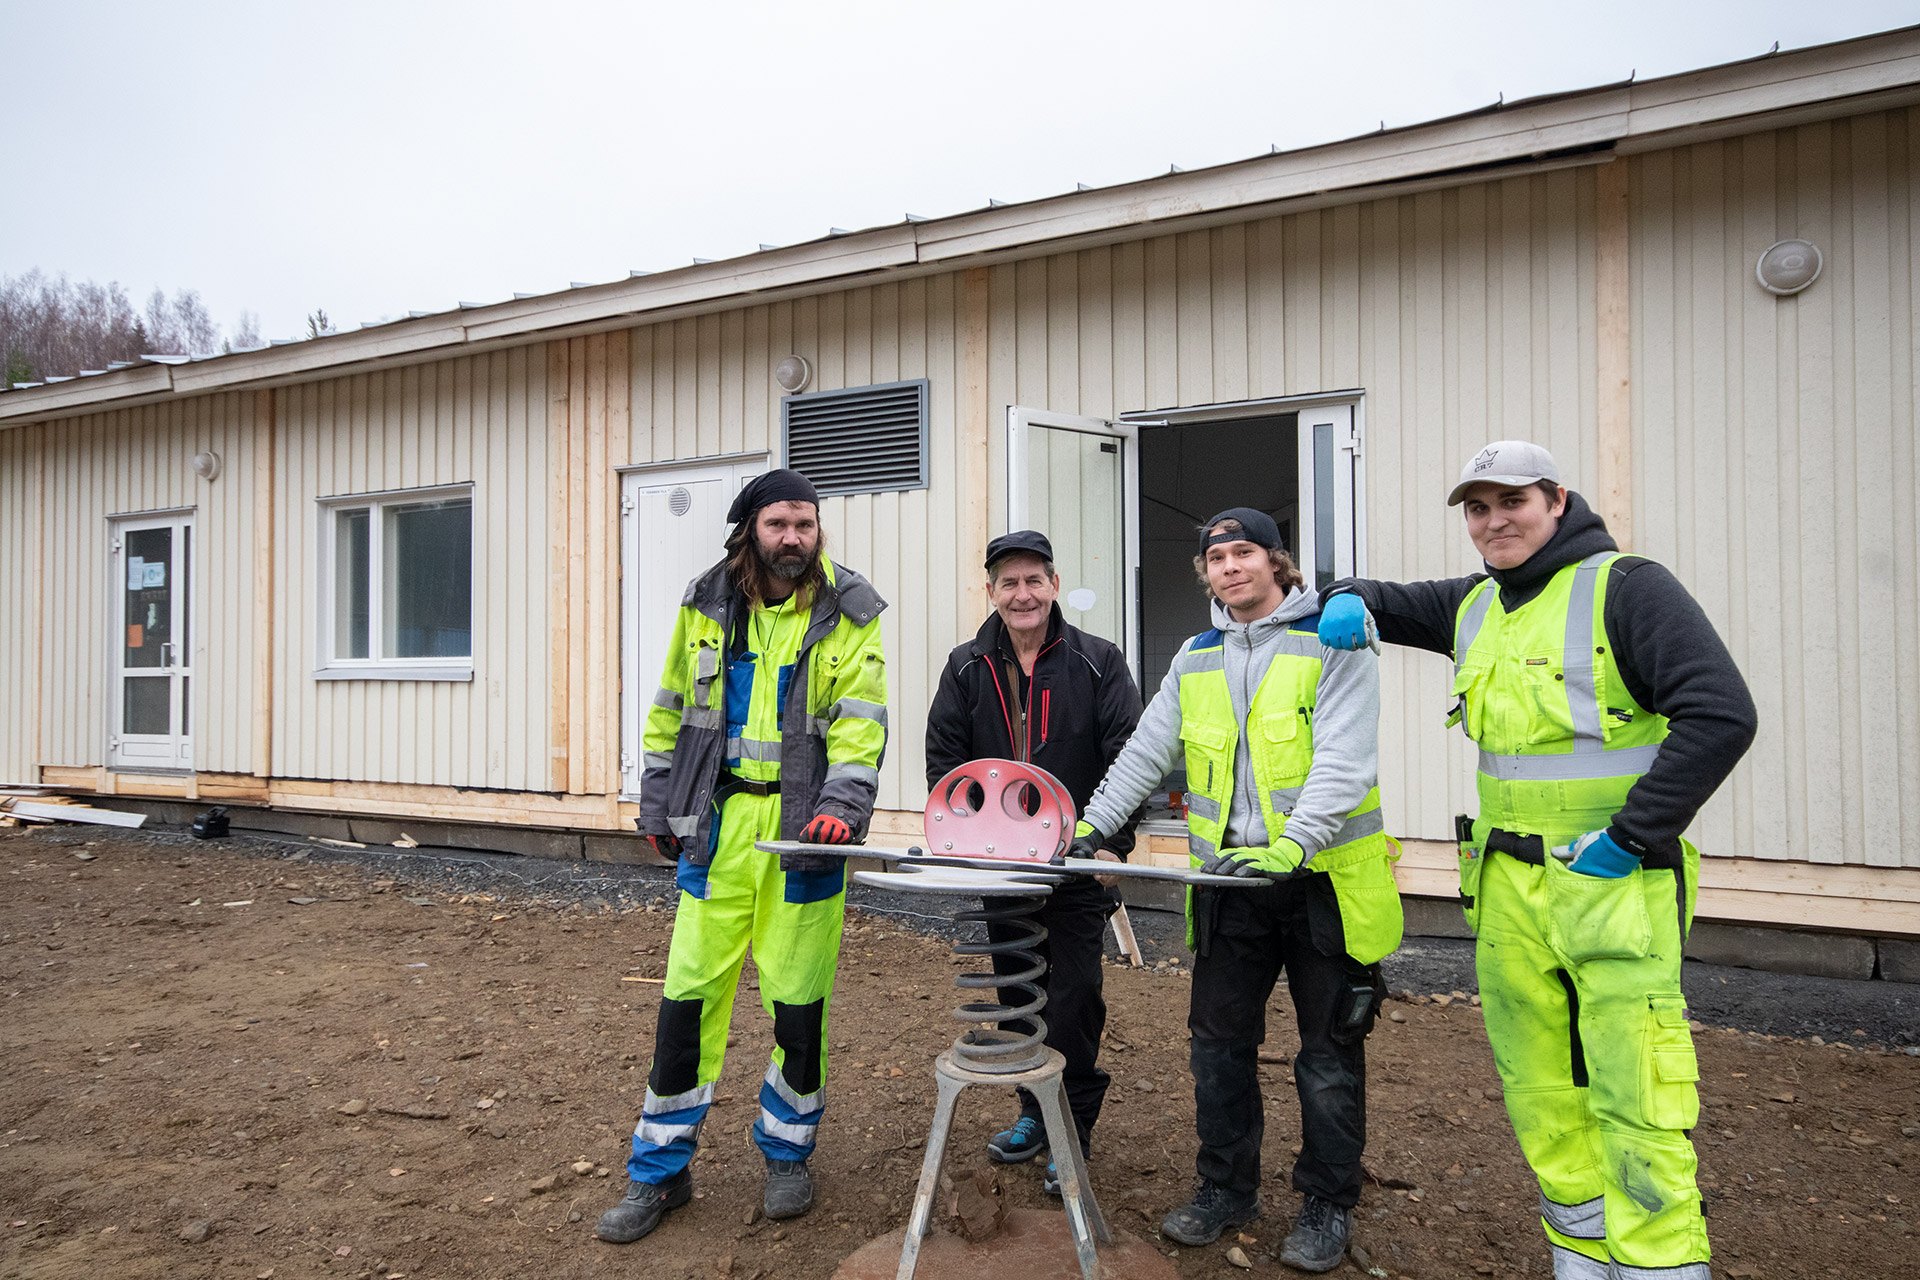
x=1281, y=858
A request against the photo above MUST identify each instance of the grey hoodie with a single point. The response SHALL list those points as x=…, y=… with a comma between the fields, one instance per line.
x=1346, y=732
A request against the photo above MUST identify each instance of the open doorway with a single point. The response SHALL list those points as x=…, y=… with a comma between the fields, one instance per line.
x=1187, y=473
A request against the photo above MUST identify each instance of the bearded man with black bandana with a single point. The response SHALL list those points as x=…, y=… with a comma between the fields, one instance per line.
x=770, y=724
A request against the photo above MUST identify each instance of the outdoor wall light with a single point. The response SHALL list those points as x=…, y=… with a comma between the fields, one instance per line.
x=793, y=374
x=206, y=464
x=1788, y=266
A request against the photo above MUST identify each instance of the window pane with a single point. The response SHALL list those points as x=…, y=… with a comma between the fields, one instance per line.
x=1323, y=505
x=350, y=596
x=144, y=705
x=426, y=597
x=148, y=592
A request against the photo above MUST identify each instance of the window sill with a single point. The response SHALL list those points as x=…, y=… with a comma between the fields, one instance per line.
x=462, y=673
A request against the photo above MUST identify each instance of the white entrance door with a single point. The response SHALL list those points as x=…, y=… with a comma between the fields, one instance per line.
x=1077, y=480
x=152, y=643
x=672, y=523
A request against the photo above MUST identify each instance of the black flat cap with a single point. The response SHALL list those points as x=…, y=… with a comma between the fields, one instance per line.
x=1029, y=540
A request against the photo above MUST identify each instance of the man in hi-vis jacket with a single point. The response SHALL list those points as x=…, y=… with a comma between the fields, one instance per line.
x=1280, y=737
x=770, y=724
x=1606, y=710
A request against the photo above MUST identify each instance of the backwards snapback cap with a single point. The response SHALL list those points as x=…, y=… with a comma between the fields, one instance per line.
x=1507, y=462
x=1255, y=526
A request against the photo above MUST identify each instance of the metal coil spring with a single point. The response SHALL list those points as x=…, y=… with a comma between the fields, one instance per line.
x=997, y=1048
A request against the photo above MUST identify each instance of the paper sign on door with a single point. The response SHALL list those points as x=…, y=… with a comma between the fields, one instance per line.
x=136, y=573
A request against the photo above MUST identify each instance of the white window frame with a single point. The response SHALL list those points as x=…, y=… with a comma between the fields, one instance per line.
x=327, y=665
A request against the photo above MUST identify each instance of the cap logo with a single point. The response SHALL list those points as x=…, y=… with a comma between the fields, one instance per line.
x=1484, y=460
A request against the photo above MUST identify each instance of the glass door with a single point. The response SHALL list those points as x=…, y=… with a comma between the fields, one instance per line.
x=153, y=666
x=1076, y=479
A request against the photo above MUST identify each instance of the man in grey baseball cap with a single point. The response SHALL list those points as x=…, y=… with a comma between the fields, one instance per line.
x=1514, y=463
x=1606, y=710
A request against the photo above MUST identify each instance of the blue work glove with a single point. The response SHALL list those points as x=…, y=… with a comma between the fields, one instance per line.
x=1282, y=857
x=1598, y=854
x=1346, y=624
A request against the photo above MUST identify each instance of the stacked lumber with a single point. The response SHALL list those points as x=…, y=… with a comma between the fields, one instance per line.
x=16, y=809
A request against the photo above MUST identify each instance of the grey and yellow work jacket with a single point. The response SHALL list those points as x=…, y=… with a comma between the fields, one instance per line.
x=1279, y=735
x=825, y=742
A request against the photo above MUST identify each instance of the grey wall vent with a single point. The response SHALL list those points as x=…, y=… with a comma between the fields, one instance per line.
x=860, y=440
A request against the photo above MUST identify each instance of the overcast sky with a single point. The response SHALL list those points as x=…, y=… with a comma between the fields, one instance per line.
x=376, y=158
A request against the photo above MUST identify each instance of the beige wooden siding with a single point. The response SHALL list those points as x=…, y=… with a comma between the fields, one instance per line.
x=479, y=420
x=705, y=386
x=20, y=587
x=122, y=463
x=1464, y=316
x=1775, y=467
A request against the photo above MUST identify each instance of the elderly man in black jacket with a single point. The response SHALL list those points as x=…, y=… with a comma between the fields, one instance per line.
x=1030, y=687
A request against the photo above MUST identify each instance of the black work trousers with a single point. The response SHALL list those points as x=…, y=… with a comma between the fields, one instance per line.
x=1247, y=936
x=1075, y=918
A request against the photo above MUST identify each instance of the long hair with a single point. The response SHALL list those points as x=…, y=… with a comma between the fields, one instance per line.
x=750, y=576
x=1284, y=571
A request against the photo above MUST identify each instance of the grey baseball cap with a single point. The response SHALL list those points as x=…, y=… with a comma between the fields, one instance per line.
x=1508, y=462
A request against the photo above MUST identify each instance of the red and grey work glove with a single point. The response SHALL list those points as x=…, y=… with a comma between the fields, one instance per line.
x=666, y=846
x=824, y=829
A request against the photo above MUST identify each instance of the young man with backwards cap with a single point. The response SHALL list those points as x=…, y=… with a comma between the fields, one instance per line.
x=1279, y=735
x=1032, y=687
x=1607, y=711
x=770, y=724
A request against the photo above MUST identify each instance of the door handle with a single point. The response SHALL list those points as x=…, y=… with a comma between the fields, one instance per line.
x=166, y=653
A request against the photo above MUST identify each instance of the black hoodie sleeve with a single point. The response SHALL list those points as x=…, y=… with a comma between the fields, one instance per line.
x=949, y=726
x=1417, y=614
x=1675, y=664
x=1117, y=711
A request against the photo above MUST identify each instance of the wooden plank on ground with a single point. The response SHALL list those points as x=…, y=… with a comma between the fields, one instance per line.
x=77, y=813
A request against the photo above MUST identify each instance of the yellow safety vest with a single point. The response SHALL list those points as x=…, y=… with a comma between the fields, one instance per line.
x=1280, y=742
x=1561, y=740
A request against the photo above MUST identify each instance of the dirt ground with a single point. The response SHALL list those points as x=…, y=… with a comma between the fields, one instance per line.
x=242, y=1060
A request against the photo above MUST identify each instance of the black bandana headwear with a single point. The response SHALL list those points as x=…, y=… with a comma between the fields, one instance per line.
x=1256, y=527
x=768, y=488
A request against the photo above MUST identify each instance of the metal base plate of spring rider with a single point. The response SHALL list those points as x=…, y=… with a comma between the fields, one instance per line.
x=994, y=828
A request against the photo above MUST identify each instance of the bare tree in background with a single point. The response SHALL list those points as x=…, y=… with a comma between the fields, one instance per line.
x=53, y=327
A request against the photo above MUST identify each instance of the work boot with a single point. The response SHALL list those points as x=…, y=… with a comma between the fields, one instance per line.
x=1212, y=1210
x=1019, y=1144
x=645, y=1204
x=1319, y=1237
x=1052, y=1183
x=789, y=1188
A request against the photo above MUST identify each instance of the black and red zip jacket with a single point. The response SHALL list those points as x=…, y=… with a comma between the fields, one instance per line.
x=1079, y=709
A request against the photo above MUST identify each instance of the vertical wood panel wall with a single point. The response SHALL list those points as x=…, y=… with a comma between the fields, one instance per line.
x=1464, y=315
x=1775, y=467
x=482, y=419
x=21, y=583
x=122, y=463
x=704, y=386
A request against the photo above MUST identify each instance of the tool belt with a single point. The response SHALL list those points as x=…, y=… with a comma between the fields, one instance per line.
x=1532, y=850
x=732, y=784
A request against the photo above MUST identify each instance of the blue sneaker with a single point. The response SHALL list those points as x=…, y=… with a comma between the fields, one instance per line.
x=1019, y=1144
x=1052, y=1183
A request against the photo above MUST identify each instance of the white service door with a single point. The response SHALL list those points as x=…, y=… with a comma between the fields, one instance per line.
x=1077, y=481
x=152, y=638
x=1330, y=485
x=672, y=526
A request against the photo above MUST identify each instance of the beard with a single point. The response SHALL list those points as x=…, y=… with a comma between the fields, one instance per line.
x=785, y=567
